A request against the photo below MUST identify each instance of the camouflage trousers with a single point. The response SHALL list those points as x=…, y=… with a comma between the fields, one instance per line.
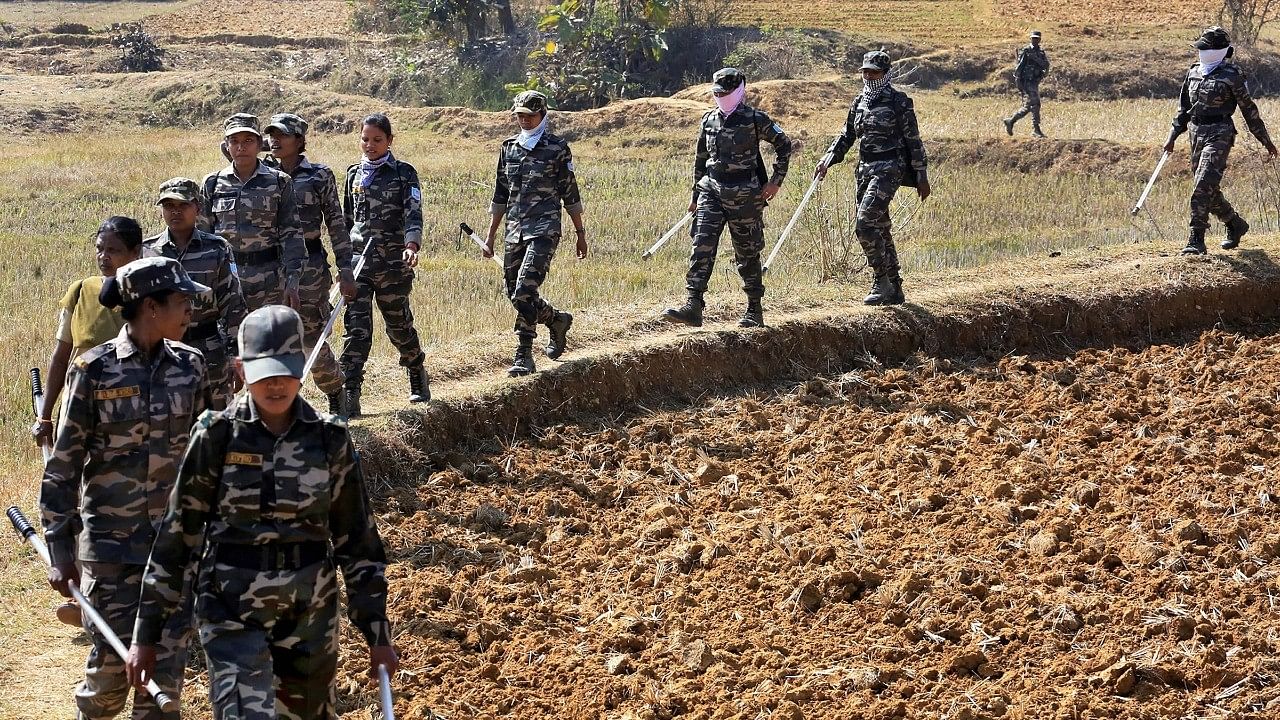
x=878, y=182
x=1030, y=103
x=525, y=262
x=271, y=641
x=388, y=286
x=741, y=208
x=114, y=590
x=313, y=291
x=1209, y=153
x=261, y=284
x=217, y=367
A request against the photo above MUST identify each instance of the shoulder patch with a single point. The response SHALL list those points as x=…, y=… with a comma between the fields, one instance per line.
x=415, y=193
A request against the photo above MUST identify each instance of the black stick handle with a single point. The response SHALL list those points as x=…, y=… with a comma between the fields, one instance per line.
x=466, y=229
x=37, y=387
x=20, y=522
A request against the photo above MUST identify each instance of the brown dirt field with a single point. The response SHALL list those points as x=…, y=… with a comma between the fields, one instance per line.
x=1105, y=15
x=279, y=18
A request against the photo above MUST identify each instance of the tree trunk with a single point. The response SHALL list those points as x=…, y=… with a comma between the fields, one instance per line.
x=506, y=18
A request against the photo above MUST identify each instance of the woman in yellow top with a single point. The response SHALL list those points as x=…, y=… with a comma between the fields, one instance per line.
x=83, y=321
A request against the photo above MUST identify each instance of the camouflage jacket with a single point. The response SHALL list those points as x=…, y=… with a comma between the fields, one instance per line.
x=532, y=184
x=728, y=150
x=1032, y=65
x=124, y=423
x=389, y=212
x=254, y=216
x=886, y=125
x=315, y=193
x=239, y=483
x=209, y=261
x=1212, y=99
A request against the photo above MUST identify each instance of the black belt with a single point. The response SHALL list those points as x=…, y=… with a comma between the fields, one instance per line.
x=258, y=257
x=730, y=178
x=878, y=156
x=1209, y=119
x=203, y=331
x=271, y=556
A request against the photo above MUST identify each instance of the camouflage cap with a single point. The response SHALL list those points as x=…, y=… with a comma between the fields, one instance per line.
x=529, y=102
x=141, y=278
x=1213, y=38
x=876, y=60
x=241, y=122
x=1035, y=34
x=179, y=188
x=727, y=80
x=287, y=123
x=271, y=344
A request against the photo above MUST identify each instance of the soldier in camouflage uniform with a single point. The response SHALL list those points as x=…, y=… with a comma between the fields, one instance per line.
x=1211, y=92
x=251, y=205
x=276, y=490
x=128, y=412
x=315, y=191
x=890, y=155
x=382, y=205
x=1032, y=66
x=730, y=187
x=207, y=258
x=535, y=177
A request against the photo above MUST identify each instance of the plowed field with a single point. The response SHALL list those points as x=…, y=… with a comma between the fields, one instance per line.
x=1085, y=536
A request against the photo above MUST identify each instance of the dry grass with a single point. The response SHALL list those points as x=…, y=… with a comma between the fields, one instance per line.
x=44, y=14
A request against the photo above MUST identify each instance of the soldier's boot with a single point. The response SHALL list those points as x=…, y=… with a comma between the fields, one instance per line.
x=558, y=328
x=754, y=316
x=419, y=384
x=1195, y=243
x=690, y=313
x=1036, y=132
x=523, y=363
x=1008, y=125
x=897, y=298
x=1236, y=228
x=882, y=292
x=351, y=400
x=335, y=403
x=68, y=613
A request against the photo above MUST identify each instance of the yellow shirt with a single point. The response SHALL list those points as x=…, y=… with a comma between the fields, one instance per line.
x=84, y=322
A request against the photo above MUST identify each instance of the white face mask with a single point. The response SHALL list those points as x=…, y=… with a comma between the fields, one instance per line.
x=1210, y=59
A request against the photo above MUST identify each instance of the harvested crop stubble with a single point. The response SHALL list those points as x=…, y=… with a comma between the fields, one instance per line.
x=1085, y=536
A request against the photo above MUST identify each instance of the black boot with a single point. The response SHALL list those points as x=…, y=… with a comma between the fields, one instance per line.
x=1008, y=125
x=419, y=384
x=754, y=316
x=690, y=313
x=558, y=328
x=335, y=403
x=882, y=292
x=1035, y=131
x=523, y=363
x=1236, y=228
x=1195, y=243
x=897, y=298
x=351, y=399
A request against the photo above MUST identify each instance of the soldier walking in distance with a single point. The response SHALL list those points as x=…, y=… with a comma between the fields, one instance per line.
x=315, y=192
x=251, y=206
x=731, y=188
x=130, y=405
x=207, y=258
x=890, y=155
x=1214, y=87
x=275, y=489
x=535, y=177
x=1032, y=66
x=382, y=203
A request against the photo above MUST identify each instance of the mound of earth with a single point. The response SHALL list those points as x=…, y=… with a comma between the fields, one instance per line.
x=1091, y=535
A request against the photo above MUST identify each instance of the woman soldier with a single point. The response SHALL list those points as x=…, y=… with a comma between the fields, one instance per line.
x=891, y=155
x=251, y=206
x=382, y=205
x=275, y=490
x=315, y=192
x=535, y=175
x=730, y=187
x=207, y=258
x=130, y=405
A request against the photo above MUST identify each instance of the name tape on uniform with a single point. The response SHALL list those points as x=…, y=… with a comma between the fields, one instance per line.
x=239, y=458
x=117, y=393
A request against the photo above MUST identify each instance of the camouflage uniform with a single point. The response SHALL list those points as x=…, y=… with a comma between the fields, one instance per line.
x=728, y=176
x=279, y=514
x=126, y=418
x=1032, y=66
x=384, y=217
x=890, y=149
x=530, y=189
x=259, y=219
x=1207, y=103
x=215, y=315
